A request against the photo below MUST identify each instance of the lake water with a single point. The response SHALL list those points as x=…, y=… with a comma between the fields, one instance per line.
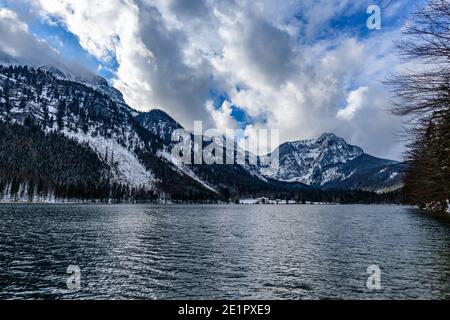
x=224, y=252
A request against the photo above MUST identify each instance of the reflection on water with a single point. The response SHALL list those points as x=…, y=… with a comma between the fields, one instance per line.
x=228, y=252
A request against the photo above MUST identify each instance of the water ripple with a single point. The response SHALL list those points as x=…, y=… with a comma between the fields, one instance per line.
x=227, y=252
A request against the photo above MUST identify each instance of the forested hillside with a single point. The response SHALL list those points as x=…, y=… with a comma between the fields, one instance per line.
x=44, y=166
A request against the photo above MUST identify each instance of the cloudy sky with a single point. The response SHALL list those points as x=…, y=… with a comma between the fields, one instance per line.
x=303, y=66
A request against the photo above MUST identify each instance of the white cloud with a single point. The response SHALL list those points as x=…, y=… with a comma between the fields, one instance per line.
x=222, y=116
x=355, y=102
x=96, y=23
x=270, y=63
x=19, y=45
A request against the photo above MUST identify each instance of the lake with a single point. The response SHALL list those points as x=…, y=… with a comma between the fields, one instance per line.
x=222, y=252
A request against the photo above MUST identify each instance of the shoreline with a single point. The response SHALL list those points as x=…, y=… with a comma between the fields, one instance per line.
x=212, y=204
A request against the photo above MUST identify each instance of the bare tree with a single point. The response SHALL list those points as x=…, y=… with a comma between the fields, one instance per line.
x=422, y=96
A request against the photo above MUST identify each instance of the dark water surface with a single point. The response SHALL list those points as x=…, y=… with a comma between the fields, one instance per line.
x=228, y=252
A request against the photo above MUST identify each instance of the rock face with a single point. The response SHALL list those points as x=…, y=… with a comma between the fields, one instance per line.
x=313, y=162
x=330, y=162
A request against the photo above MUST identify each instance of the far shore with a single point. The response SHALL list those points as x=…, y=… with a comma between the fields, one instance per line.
x=192, y=203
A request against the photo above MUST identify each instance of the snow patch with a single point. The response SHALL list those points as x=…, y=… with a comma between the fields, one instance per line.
x=393, y=175
x=126, y=166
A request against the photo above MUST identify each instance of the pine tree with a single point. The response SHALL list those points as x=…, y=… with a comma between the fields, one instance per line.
x=61, y=112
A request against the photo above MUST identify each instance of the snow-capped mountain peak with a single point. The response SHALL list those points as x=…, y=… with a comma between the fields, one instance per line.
x=315, y=161
x=89, y=79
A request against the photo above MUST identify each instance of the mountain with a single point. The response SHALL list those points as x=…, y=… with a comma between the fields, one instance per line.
x=159, y=123
x=369, y=173
x=53, y=122
x=132, y=149
x=91, y=80
x=329, y=162
x=92, y=117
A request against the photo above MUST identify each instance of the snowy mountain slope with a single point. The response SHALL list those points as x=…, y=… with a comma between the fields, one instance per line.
x=64, y=71
x=329, y=162
x=126, y=167
x=46, y=166
x=313, y=161
x=94, y=81
x=162, y=125
x=79, y=112
x=92, y=117
x=369, y=173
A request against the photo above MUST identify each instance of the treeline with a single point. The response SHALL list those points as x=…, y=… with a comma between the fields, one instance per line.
x=348, y=197
x=427, y=183
x=423, y=98
x=333, y=196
